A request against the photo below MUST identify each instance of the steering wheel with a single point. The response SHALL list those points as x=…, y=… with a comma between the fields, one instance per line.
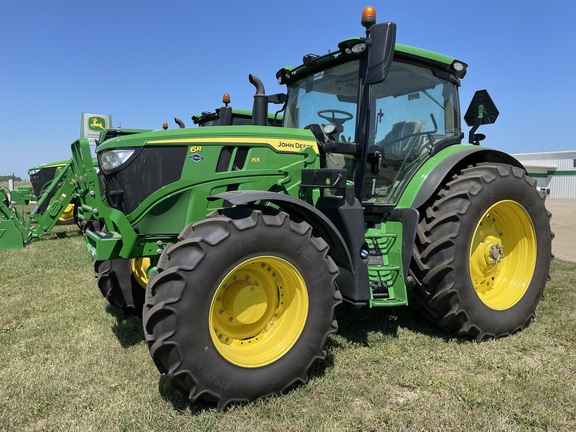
x=338, y=121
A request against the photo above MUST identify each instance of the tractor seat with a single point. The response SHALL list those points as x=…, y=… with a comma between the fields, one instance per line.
x=404, y=138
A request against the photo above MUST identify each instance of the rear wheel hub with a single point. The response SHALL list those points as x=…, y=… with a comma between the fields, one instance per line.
x=501, y=279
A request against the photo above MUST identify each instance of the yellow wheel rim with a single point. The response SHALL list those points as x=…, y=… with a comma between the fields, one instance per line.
x=503, y=255
x=258, y=311
x=67, y=214
x=140, y=268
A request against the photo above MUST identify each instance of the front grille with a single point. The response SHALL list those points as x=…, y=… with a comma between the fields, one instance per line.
x=43, y=176
x=147, y=171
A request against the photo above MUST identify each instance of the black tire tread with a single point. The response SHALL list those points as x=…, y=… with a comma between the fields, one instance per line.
x=433, y=258
x=117, y=284
x=196, y=241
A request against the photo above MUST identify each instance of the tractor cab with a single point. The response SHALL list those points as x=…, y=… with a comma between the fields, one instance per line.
x=379, y=130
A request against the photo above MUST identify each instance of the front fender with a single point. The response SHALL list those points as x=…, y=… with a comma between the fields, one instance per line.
x=294, y=206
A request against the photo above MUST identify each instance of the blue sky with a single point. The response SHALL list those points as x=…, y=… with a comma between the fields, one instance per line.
x=147, y=62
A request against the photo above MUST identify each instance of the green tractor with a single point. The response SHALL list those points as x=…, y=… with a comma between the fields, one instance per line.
x=227, y=116
x=248, y=237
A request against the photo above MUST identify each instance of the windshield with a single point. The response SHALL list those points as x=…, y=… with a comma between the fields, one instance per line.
x=328, y=96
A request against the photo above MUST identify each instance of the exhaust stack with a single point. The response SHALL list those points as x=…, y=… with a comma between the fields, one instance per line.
x=260, y=107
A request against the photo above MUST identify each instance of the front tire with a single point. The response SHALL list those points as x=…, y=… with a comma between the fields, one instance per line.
x=482, y=254
x=241, y=306
x=122, y=283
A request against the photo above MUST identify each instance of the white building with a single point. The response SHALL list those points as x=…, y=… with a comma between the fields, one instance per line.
x=554, y=171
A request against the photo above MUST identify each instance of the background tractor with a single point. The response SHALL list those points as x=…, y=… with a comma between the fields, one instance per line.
x=41, y=177
x=58, y=195
x=248, y=237
x=55, y=184
x=226, y=116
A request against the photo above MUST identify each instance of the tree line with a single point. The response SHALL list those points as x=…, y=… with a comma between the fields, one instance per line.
x=9, y=177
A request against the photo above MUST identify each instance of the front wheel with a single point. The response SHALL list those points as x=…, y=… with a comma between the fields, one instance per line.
x=122, y=282
x=483, y=251
x=241, y=306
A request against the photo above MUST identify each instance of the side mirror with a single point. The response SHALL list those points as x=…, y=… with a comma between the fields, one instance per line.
x=482, y=110
x=382, y=42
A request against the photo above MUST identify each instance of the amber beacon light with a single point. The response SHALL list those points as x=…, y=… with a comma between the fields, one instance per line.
x=368, y=17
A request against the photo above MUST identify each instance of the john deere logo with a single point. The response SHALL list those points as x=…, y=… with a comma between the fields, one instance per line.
x=96, y=123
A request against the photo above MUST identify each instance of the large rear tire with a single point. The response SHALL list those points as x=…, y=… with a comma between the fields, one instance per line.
x=241, y=306
x=482, y=254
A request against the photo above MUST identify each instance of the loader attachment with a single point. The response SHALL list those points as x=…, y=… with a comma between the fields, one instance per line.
x=76, y=182
x=23, y=195
x=10, y=236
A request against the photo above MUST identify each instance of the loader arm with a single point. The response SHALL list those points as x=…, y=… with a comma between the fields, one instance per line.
x=76, y=181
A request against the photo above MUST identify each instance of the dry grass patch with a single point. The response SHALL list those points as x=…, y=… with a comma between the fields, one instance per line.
x=71, y=362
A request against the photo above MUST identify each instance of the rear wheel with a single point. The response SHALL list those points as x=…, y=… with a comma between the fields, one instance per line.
x=482, y=253
x=123, y=282
x=241, y=306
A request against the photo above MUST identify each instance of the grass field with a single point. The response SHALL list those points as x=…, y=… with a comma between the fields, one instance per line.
x=71, y=362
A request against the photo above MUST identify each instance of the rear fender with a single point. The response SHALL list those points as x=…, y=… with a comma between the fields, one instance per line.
x=435, y=172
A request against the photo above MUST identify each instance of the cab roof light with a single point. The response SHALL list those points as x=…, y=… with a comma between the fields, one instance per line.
x=226, y=99
x=459, y=68
x=350, y=46
x=283, y=76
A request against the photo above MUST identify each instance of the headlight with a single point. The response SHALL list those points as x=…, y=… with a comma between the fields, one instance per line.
x=112, y=159
x=33, y=171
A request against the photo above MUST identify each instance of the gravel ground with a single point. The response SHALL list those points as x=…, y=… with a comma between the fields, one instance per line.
x=563, y=216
